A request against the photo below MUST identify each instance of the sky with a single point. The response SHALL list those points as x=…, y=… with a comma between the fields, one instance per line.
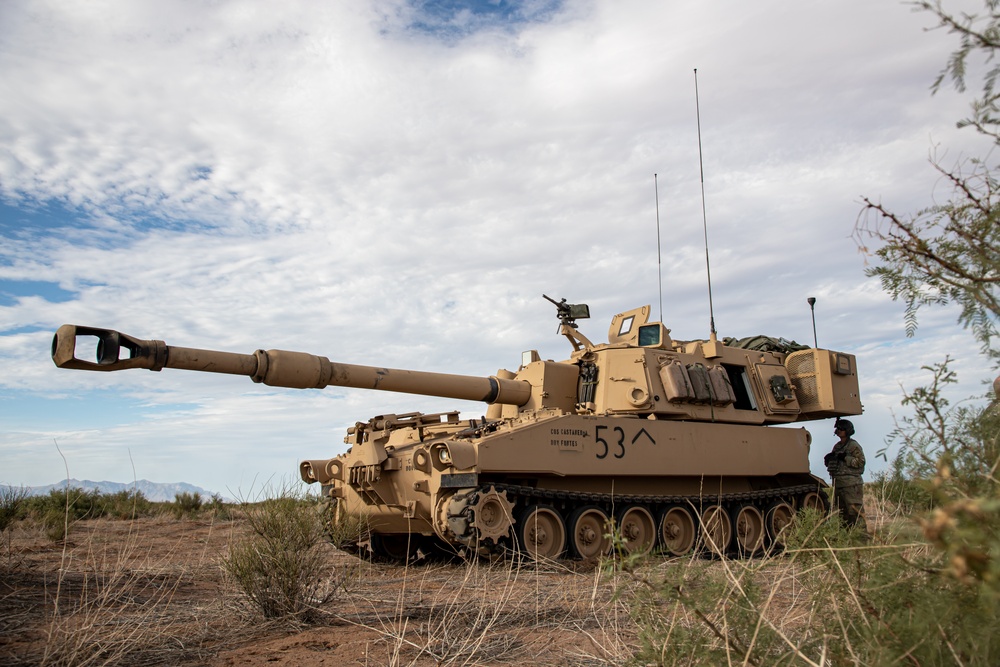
x=396, y=183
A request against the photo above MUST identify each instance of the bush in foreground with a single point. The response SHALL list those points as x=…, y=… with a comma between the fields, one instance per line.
x=283, y=564
x=829, y=599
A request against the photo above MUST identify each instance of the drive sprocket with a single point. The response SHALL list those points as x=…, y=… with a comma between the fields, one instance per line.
x=493, y=515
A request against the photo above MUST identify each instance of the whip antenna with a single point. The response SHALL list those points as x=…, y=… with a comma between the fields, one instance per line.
x=704, y=216
x=812, y=308
x=659, y=258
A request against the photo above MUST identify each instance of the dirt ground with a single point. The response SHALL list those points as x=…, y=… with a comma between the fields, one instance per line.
x=152, y=592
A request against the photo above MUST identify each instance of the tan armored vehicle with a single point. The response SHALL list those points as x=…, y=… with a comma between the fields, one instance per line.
x=662, y=443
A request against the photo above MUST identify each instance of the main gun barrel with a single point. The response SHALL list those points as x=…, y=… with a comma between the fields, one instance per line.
x=277, y=368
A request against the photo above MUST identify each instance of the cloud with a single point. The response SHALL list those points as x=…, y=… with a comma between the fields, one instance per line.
x=381, y=183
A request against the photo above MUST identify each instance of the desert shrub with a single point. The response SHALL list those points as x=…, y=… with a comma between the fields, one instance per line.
x=12, y=508
x=57, y=523
x=898, y=603
x=123, y=505
x=857, y=604
x=219, y=508
x=76, y=503
x=344, y=530
x=12, y=505
x=906, y=493
x=689, y=614
x=186, y=504
x=59, y=509
x=93, y=504
x=283, y=566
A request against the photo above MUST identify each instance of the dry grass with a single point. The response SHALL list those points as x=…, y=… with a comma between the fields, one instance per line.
x=107, y=595
x=831, y=598
x=152, y=591
x=502, y=612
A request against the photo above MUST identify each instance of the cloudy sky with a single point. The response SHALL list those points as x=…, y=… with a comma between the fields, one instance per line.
x=396, y=183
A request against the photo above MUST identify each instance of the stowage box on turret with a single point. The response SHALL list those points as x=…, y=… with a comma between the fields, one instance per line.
x=666, y=444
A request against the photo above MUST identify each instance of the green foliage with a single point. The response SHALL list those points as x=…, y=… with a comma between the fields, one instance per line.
x=283, y=564
x=80, y=504
x=218, y=507
x=694, y=614
x=950, y=252
x=979, y=37
x=74, y=502
x=186, y=504
x=344, y=530
x=952, y=453
x=933, y=599
x=58, y=510
x=967, y=532
x=12, y=505
x=56, y=523
x=892, y=603
x=903, y=492
x=124, y=505
x=955, y=445
x=947, y=253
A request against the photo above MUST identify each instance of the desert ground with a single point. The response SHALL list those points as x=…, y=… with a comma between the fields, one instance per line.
x=151, y=591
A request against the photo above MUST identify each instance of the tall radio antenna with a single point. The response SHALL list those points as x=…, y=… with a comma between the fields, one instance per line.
x=659, y=258
x=704, y=216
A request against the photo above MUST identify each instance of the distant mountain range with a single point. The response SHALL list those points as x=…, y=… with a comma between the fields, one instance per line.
x=155, y=491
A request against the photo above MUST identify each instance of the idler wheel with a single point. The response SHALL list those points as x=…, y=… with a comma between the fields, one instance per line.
x=778, y=517
x=590, y=533
x=677, y=531
x=493, y=515
x=541, y=533
x=637, y=529
x=748, y=523
x=716, y=529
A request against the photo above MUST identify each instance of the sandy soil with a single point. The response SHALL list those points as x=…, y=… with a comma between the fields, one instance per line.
x=152, y=592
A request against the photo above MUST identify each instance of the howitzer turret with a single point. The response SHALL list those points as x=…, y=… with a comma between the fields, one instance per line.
x=670, y=443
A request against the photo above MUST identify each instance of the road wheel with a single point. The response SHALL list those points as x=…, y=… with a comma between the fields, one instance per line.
x=637, y=529
x=590, y=533
x=778, y=517
x=677, y=531
x=813, y=500
x=541, y=533
x=748, y=528
x=716, y=529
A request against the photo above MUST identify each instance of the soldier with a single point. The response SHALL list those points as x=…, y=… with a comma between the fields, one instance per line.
x=846, y=464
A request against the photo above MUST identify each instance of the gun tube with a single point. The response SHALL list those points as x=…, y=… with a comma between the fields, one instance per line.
x=278, y=368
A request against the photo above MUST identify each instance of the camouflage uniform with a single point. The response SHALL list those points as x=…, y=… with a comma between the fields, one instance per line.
x=846, y=464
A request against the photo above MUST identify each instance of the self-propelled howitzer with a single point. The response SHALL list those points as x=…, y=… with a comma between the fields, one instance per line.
x=666, y=443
